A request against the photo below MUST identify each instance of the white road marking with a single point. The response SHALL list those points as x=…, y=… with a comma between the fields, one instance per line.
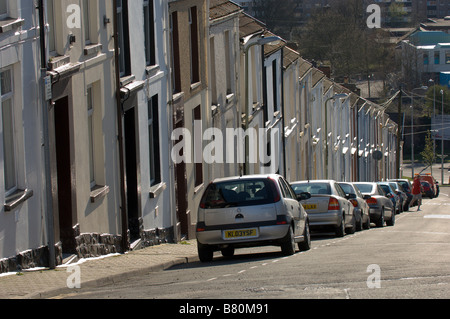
x=437, y=216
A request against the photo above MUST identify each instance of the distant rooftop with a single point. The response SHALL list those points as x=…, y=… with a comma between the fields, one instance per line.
x=429, y=38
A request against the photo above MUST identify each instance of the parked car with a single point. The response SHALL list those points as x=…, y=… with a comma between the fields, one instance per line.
x=248, y=211
x=361, y=208
x=328, y=206
x=381, y=207
x=430, y=179
x=402, y=194
x=427, y=191
x=392, y=195
x=405, y=186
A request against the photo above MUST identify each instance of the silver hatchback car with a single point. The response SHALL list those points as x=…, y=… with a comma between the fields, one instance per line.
x=252, y=210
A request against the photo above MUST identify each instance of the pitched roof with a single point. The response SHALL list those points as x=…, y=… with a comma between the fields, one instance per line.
x=222, y=8
x=289, y=56
x=270, y=49
x=249, y=25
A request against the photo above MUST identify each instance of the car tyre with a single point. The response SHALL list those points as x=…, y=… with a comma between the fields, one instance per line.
x=380, y=221
x=288, y=243
x=340, y=230
x=359, y=224
x=367, y=224
x=391, y=222
x=306, y=243
x=228, y=252
x=205, y=253
x=352, y=230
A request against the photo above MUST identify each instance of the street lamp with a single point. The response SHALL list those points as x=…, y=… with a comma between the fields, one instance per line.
x=261, y=41
x=434, y=120
x=442, y=139
x=334, y=98
x=412, y=126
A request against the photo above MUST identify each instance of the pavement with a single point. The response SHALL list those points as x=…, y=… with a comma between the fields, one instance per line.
x=95, y=272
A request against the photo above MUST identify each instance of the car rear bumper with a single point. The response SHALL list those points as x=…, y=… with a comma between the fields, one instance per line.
x=375, y=213
x=330, y=218
x=270, y=231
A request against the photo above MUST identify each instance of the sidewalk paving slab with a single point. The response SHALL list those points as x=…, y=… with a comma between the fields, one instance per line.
x=96, y=272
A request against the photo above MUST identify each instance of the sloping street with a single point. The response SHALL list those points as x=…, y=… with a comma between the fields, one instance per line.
x=407, y=260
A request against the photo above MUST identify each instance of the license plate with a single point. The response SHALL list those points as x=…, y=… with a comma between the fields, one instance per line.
x=310, y=206
x=241, y=233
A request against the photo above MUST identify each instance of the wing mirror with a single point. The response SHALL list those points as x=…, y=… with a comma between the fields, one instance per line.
x=303, y=196
x=350, y=196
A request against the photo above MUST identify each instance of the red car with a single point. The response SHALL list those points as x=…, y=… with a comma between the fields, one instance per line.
x=432, y=184
x=427, y=190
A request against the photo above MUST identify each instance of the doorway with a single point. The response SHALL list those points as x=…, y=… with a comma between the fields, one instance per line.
x=131, y=173
x=64, y=175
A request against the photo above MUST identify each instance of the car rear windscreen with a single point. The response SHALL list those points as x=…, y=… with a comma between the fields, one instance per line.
x=365, y=188
x=239, y=193
x=312, y=188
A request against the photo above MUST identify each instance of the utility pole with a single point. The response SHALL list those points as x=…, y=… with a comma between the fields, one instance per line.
x=397, y=155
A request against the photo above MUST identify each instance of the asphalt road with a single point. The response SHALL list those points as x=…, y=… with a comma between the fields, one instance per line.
x=408, y=260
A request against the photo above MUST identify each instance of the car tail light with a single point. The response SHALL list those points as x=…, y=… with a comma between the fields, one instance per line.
x=333, y=204
x=354, y=202
x=372, y=201
x=276, y=193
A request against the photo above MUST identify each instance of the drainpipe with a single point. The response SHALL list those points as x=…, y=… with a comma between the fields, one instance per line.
x=120, y=138
x=48, y=179
x=283, y=135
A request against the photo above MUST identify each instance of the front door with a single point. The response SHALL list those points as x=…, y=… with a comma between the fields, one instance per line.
x=64, y=175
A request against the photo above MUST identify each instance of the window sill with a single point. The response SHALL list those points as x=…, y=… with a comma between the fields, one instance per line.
x=98, y=192
x=230, y=98
x=198, y=188
x=17, y=198
x=195, y=85
x=152, y=70
x=157, y=190
x=92, y=49
x=10, y=24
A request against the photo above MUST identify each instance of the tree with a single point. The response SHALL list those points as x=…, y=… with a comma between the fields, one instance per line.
x=339, y=35
x=279, y=16
x=428, y=153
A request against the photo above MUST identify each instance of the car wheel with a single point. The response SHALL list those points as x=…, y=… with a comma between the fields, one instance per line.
x=288, y=243
x=359, y=224
x=406, y=207
x=391, y=222
x=367, y=224
x=380, y=221
x=228, y=252
x=306, y=243
x=340, y=230
x=352, y=229
x=205, y=253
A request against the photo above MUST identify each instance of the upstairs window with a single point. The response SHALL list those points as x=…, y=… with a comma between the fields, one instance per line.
x=437, y=57
x=124, y=47
x=51, y=26
x=86, y=21
x=149, y=33
x=194, y=44
x=3, y=9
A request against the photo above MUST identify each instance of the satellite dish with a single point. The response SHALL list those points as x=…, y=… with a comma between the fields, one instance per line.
x=377, y=155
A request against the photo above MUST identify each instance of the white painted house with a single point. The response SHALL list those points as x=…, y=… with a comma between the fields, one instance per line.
x=22, y=213
x=144, y=79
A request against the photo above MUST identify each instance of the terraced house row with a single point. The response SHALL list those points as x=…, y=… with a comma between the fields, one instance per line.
x=93, y=94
